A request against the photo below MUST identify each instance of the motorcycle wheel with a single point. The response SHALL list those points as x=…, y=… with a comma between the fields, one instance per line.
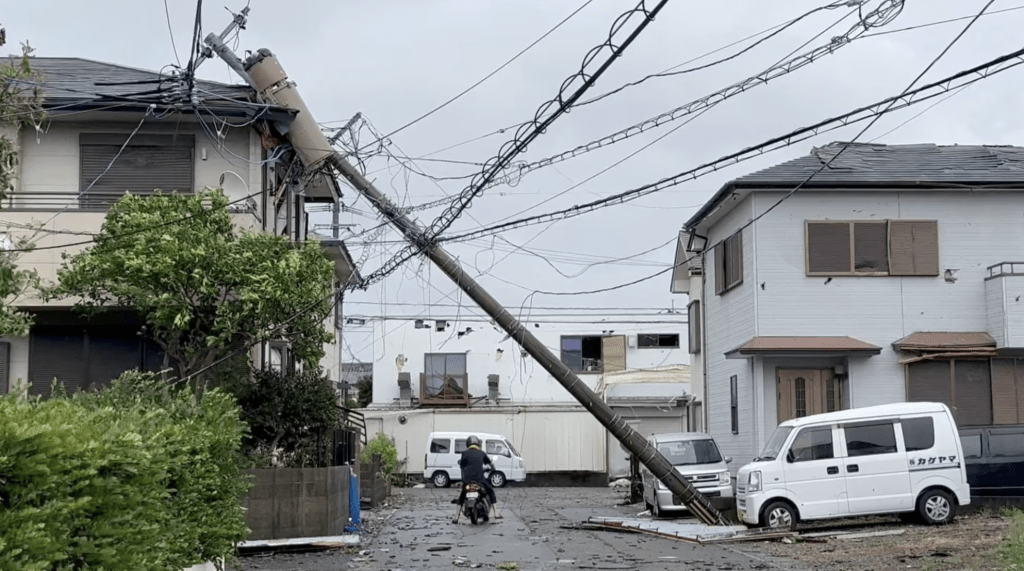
x=472, y=513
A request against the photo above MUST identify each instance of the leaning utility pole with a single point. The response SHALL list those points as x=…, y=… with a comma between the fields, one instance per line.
x=265, y=73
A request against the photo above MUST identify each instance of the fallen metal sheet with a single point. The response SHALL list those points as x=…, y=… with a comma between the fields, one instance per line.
x=323, y=541
x=871, y=534
x=690, y=530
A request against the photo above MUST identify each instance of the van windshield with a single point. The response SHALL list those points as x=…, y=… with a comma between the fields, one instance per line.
x=771, y=450
x=690, y=452
x=512, y=448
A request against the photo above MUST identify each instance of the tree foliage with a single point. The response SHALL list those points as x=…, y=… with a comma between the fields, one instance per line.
x=364, y=387
x=199, y=285
x=285, y=411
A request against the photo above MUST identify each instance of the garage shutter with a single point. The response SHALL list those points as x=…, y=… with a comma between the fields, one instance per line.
x=973, y=395
x=930, y=381
x=110, y=355
x=56, y=353
x=5, y=368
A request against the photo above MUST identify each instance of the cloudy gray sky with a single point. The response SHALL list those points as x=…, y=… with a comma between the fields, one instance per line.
x=394, y=60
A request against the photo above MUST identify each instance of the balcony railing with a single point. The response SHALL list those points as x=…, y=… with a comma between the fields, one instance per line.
x=1005, y=269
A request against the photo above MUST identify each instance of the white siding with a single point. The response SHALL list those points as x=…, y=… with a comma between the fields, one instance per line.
x=1004, y=300
x=730, y=323
x=995, y=312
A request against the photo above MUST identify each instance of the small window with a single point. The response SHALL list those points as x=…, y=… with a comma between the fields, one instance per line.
x=693, y=324
x=870, y=439
x=670, y=340
x=729, y=263
x=918, y=433
x=971, y=444
x=496, y=448
x=734, y=404
x=811, y=444
x=460, y=445
x=1006, y=444
x=582, y=353
x=440, y=446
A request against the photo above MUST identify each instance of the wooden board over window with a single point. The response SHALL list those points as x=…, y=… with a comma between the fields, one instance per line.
x=872, y=248
x=1007, y=391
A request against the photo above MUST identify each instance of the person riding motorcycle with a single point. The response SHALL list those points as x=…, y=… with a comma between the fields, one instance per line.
x=472, y=464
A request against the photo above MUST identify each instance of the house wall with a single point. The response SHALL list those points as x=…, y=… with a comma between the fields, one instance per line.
x=550, y=439
x=730, y=323
x=521, y=379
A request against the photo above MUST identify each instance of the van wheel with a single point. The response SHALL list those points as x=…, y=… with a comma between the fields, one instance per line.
x=497, y=480
x=779, y=515
x=936, y=507
x=441, y=480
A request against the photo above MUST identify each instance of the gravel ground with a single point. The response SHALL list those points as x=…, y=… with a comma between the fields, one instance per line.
x=969, y=542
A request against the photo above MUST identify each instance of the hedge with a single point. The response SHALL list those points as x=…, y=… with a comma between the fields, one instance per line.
x=136, y=476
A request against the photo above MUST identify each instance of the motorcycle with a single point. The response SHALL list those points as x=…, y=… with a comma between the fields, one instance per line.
x=476, y=506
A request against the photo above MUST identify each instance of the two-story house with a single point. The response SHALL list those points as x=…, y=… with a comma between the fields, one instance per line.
x=463, y=373
x=890, y=276
x=111, y=129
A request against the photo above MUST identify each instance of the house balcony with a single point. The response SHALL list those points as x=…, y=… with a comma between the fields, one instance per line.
x=1004, y=304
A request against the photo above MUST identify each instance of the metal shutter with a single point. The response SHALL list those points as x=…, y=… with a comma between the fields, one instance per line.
x=930, y=381
x=913, y=248
x=5, y=367
x=111, y=353
x=1004, y=392
x=973, y=393
x=109, y=167
x=828, y=248
x=56, y=353
x=720, y=267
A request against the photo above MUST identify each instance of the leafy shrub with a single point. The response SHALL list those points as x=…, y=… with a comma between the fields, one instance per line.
x=137, y=476
x=383, y=445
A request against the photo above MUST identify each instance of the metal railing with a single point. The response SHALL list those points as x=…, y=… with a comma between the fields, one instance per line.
x=1005, y=269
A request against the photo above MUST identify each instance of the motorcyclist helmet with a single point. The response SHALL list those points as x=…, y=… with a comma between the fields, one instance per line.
x=473, y=441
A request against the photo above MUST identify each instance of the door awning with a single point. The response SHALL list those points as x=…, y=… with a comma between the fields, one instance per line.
x=945, y=344
x=817, y=346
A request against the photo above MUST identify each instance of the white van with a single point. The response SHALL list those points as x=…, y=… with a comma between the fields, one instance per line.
x=897, y=458
x=441, y=462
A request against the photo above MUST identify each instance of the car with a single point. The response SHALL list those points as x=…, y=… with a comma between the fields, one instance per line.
x=696, y=457
x=995, y=460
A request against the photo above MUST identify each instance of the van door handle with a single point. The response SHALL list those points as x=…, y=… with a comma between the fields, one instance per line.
x=853, y=468
x=833, y=469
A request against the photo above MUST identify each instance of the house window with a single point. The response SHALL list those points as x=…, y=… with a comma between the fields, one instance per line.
x=582, y=353
x=112, y=164
x=669, y=340
x=965, y=386
x=729, y=263
x=693, y=324
x=444, y=378
x=872, y=248
x=734, y=408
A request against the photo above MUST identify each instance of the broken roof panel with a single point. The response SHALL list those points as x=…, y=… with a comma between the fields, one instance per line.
x=945, y=341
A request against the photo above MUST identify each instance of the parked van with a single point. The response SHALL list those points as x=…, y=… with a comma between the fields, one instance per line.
x=696, y=457
x=441, y=465
x=995, y=460
x=896, y=458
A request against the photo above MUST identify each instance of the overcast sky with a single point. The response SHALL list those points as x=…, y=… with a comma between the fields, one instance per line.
x=394, y=60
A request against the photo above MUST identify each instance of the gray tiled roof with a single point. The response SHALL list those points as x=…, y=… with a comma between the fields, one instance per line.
x=924, y=165
x=70, y=82
x=865, y=163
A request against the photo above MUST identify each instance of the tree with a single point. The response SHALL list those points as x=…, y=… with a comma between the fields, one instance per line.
x=20, y=105
x=364, y=388
x=200, y=287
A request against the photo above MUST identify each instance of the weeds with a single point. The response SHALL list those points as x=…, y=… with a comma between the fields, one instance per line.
x=1013, y=550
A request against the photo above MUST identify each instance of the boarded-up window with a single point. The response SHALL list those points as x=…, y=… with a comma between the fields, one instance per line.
x=965, y=386
x=112, y=164
x=913, y=248
x=1007, y=391
x=885, y=247
x=729, y=263
x=847, y=248
x=693, y=317
x=613, y=353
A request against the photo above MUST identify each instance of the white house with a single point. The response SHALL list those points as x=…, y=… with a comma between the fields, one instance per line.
x=464, y=373
x=890, y=276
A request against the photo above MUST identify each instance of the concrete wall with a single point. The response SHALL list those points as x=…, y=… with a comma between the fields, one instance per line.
x=522, y=381
x=298, y=502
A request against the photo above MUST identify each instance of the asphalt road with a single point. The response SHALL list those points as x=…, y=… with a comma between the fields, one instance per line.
x=417, y=534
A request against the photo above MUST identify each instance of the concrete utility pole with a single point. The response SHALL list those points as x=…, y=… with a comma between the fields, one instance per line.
x=265, y=73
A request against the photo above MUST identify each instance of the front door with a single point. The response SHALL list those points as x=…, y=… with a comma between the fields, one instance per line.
x=813, y=473
x=803, y=392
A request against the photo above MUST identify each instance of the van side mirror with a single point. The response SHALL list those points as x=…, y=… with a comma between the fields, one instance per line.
x=728, y=459
x=790, y=457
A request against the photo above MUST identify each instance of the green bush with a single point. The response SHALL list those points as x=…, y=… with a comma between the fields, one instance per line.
x=383, y=445
x=1013, y=550
x=137, y=476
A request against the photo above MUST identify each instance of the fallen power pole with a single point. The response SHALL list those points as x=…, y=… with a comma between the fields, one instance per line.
x=265, y=74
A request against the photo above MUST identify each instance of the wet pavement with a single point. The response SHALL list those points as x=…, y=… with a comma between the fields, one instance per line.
x=418, y=535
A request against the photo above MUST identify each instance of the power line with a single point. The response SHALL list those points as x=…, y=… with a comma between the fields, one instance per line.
x=488, y=76
x=904, y=100
x=930, y=24
x=170, y=30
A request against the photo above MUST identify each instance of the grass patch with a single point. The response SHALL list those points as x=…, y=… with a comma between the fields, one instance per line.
x=1013, y=550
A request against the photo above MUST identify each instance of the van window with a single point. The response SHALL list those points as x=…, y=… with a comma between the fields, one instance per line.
x=811, y=444
x=440, y=446
x=512, y=449
x=690, y=452
x=971, y=444
x=870, y=439
x=918, y=433
x=1006, y=444
x=460, y=445
x=497, y=448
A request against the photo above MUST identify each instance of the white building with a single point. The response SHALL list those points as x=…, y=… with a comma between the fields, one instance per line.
x=888, y=277
x=466, y=374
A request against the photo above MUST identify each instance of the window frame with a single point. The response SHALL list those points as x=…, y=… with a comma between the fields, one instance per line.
x=94, y=195
x=734, y=406
x=858, y=453
x=693, y=327
x=889, y=235
x=728, y=254
x=581, y=370
x=791, y=457
x=659, y=337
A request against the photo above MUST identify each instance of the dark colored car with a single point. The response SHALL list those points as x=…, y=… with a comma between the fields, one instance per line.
x=995, y=459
